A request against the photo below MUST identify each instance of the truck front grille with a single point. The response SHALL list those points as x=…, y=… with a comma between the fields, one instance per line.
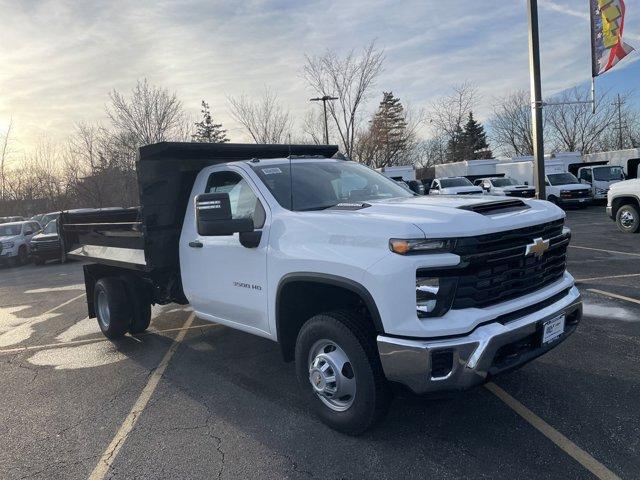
x=494, y=268
x=584, y=193
x=525, y=193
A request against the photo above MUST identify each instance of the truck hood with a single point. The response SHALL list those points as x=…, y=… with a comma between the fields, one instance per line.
x=633, y=184
x=44, y=237
x=440, y=216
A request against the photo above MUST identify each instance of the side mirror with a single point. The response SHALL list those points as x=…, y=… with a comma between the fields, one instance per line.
x=213, y=216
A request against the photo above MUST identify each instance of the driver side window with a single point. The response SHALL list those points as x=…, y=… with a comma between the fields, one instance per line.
x=244, y=202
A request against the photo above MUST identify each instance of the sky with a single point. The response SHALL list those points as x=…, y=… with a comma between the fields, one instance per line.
x=60, y=59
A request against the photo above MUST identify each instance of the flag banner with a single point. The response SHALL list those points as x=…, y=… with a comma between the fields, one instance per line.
x=607, y=25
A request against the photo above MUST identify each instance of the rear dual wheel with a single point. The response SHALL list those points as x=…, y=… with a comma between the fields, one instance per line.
x=121, y=307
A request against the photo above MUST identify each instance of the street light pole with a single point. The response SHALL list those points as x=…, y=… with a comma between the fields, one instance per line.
x=536, y=100
x=324, y=106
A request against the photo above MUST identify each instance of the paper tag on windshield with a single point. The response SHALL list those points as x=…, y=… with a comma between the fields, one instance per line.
x=271, y=170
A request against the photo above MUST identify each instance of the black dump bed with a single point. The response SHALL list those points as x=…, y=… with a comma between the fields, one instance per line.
x=146, y=238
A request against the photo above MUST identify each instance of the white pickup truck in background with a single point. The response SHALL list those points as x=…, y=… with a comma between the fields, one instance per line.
x=361, y=282
x=454, y=186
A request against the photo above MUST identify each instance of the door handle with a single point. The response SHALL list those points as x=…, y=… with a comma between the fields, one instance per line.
x=195, y=244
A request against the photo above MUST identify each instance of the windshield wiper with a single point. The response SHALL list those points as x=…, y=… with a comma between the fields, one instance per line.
x=312, y=209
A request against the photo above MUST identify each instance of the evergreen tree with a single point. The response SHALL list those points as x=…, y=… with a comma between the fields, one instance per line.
x=474, y=140
x=206, y=130
x=388, y=131
x=457, y=146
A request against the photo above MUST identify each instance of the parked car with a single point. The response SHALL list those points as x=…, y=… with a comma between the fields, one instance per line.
x=454, y=186
x=11, y=219
x=359, y=281
x=505, y=186
x=623, y=205
x=15, y=240
x=46, y=244
x=564, y=189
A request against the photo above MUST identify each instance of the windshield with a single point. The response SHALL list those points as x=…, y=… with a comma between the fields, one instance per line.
x=608, y=174
x=455, y=182
x=323, y=184
x=52, y=227
x=504, y=182
x=10, y=230
x=48, y=217
x=561, y=179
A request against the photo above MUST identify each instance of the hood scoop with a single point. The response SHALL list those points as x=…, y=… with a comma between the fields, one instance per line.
x=491, y=208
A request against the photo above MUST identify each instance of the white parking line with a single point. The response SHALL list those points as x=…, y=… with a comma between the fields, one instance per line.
x=570, y=448
x=607, y=251
x=96, y=340
x=608, y=277
x=109, y=455
x=614, y=295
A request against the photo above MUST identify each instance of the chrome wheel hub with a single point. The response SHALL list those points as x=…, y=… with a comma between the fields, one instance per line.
x=626, y=219
x=104, y=316
x=331, y=375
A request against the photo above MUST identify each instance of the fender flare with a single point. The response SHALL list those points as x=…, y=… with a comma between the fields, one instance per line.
x=334, y=280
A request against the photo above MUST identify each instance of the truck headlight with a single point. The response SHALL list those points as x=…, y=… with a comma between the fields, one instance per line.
x=434, y=295
x=601, y=191
x=421, y=245
x=8, y=244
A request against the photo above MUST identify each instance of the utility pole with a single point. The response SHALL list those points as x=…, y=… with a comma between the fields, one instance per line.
x=618, y=105
x=324, y=101
x=536, y=100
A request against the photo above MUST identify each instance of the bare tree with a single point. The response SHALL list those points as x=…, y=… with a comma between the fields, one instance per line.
x=313, y=127
x=448, y=114
x=350, y=79
x=573, y=127
x=150, y=114
x=4, y=156
x=265, y=120
x=511, y=124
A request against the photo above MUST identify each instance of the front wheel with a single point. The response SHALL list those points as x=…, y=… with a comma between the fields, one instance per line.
x=628, y=219
x=338, y=367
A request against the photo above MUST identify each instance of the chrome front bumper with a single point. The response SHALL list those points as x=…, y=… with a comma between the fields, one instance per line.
x=490, y=349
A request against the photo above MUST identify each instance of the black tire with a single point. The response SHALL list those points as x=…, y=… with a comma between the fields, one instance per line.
x=354, y=335
x=23, y=256
x=112, y=307
x=553, y=199
x=628, y=219
x=140, y=305
x=39, y=261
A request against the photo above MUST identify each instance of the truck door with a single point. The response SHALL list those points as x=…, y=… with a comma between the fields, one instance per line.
x=225, y=281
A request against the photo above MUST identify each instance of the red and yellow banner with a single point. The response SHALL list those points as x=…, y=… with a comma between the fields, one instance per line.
x=607, y=26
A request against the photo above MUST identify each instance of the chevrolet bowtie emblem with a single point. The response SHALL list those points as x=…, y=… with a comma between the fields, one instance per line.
x=537, y=248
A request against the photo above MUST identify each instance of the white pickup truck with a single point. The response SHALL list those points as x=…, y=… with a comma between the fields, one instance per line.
x=361, y=282
x=623, y=205
x=454, y=186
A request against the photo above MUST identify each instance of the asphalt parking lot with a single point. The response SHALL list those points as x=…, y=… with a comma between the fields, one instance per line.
x=222, y=404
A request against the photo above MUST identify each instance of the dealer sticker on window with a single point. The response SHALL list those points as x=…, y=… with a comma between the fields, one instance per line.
x=552, y=329
x=271, y=170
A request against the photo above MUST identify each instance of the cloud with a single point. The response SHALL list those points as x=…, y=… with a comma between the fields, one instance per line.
x=61, y=58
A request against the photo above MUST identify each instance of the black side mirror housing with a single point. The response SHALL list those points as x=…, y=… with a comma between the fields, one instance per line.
x=213, y=216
